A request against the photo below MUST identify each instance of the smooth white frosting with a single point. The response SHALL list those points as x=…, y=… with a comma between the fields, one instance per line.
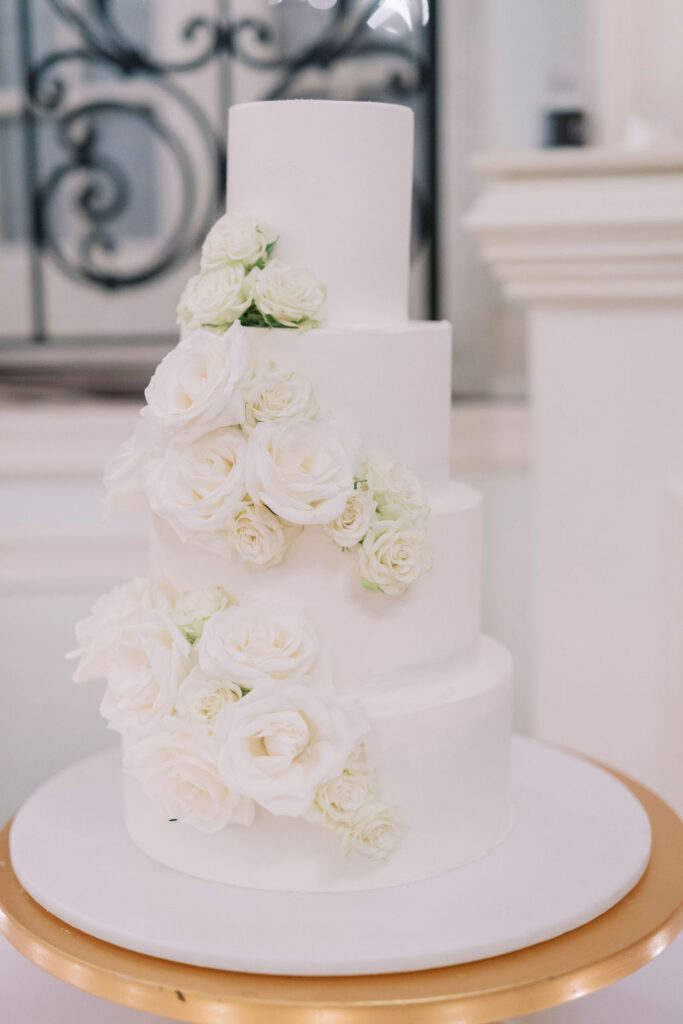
x=347, y=220
x=443, y=766
x=392, y=386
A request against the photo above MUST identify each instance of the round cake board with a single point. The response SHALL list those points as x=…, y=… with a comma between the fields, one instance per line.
x=579, y=843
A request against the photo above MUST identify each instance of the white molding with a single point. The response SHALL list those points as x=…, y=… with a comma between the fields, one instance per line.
x=489, y=436
x=592, y=161
x=69, y=559
x=60, y=440
x=53, y=440
x=588, y=226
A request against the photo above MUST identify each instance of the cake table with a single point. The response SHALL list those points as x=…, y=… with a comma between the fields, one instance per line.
x=588, y=958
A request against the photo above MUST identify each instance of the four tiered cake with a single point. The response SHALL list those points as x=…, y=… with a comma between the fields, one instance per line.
x=305, y=698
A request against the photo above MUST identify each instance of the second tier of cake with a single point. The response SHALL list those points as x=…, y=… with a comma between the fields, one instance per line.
x=369, y=637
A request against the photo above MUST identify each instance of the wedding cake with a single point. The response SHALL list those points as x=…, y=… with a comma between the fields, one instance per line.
x=304, y=696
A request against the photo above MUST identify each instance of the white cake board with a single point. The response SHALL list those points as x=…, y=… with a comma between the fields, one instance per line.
x=580, y=842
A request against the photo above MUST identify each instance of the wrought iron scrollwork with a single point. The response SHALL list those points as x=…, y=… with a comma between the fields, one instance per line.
x=99, y=183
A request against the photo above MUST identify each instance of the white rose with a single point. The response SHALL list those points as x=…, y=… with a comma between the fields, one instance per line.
x=197, y=486
x=144, y=672
x=398, y=493
x=235, y=239
x=341, y=798
x=279, y=744
x=194, y=607
x=287, y=296
x=176, y=768
x=273, y=397
x=393, y=554
x=259, y=537
x=98, y=634
x=372, y=833
x=254, y=644
x=301, y=470
x=215, y=298
x=351, y=526
x=200, y=697
x=200, y=380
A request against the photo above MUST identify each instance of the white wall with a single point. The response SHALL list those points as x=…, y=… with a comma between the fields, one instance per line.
x=495, y=57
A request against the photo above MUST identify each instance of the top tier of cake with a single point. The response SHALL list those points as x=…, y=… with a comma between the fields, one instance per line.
x=289, y=166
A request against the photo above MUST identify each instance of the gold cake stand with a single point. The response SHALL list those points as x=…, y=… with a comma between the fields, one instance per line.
x=547, y=974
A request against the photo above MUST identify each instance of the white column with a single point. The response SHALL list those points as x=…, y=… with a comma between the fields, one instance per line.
x=592, y=244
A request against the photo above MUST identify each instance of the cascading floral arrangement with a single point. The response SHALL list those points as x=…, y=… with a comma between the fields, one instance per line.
x=227, y=705
x=239, y=281
x=238, y=458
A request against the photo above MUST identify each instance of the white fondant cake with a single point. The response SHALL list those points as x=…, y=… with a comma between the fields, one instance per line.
x=305, y=698
x=336, y=178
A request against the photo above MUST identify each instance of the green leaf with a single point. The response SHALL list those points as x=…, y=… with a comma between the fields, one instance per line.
x=193, y=630
x=306, y=325
x=223, y=325
x=367, y=585
x=253, y=317
x=172, y=819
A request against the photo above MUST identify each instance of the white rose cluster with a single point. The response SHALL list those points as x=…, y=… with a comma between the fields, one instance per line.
x=234, y=455
x=197, y=485
x=238, y=281
x=193, y=608
x=353, y=522
x=349, y=805
x=302, y=470
x=224, y=706
x=214, y=299
x=176, y=766
x=196, y=389
x=285, y=296
x=231, y=454
x=275, y=397
x=385, y=518
x=239, y=241
x=199, y=382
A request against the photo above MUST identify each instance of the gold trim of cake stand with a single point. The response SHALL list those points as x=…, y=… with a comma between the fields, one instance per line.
x=550, y=973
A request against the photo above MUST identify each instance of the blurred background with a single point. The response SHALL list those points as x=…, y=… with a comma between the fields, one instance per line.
x=113, y=119
x=548, y=228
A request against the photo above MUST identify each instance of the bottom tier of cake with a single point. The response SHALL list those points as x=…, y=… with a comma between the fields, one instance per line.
x=440, y=743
